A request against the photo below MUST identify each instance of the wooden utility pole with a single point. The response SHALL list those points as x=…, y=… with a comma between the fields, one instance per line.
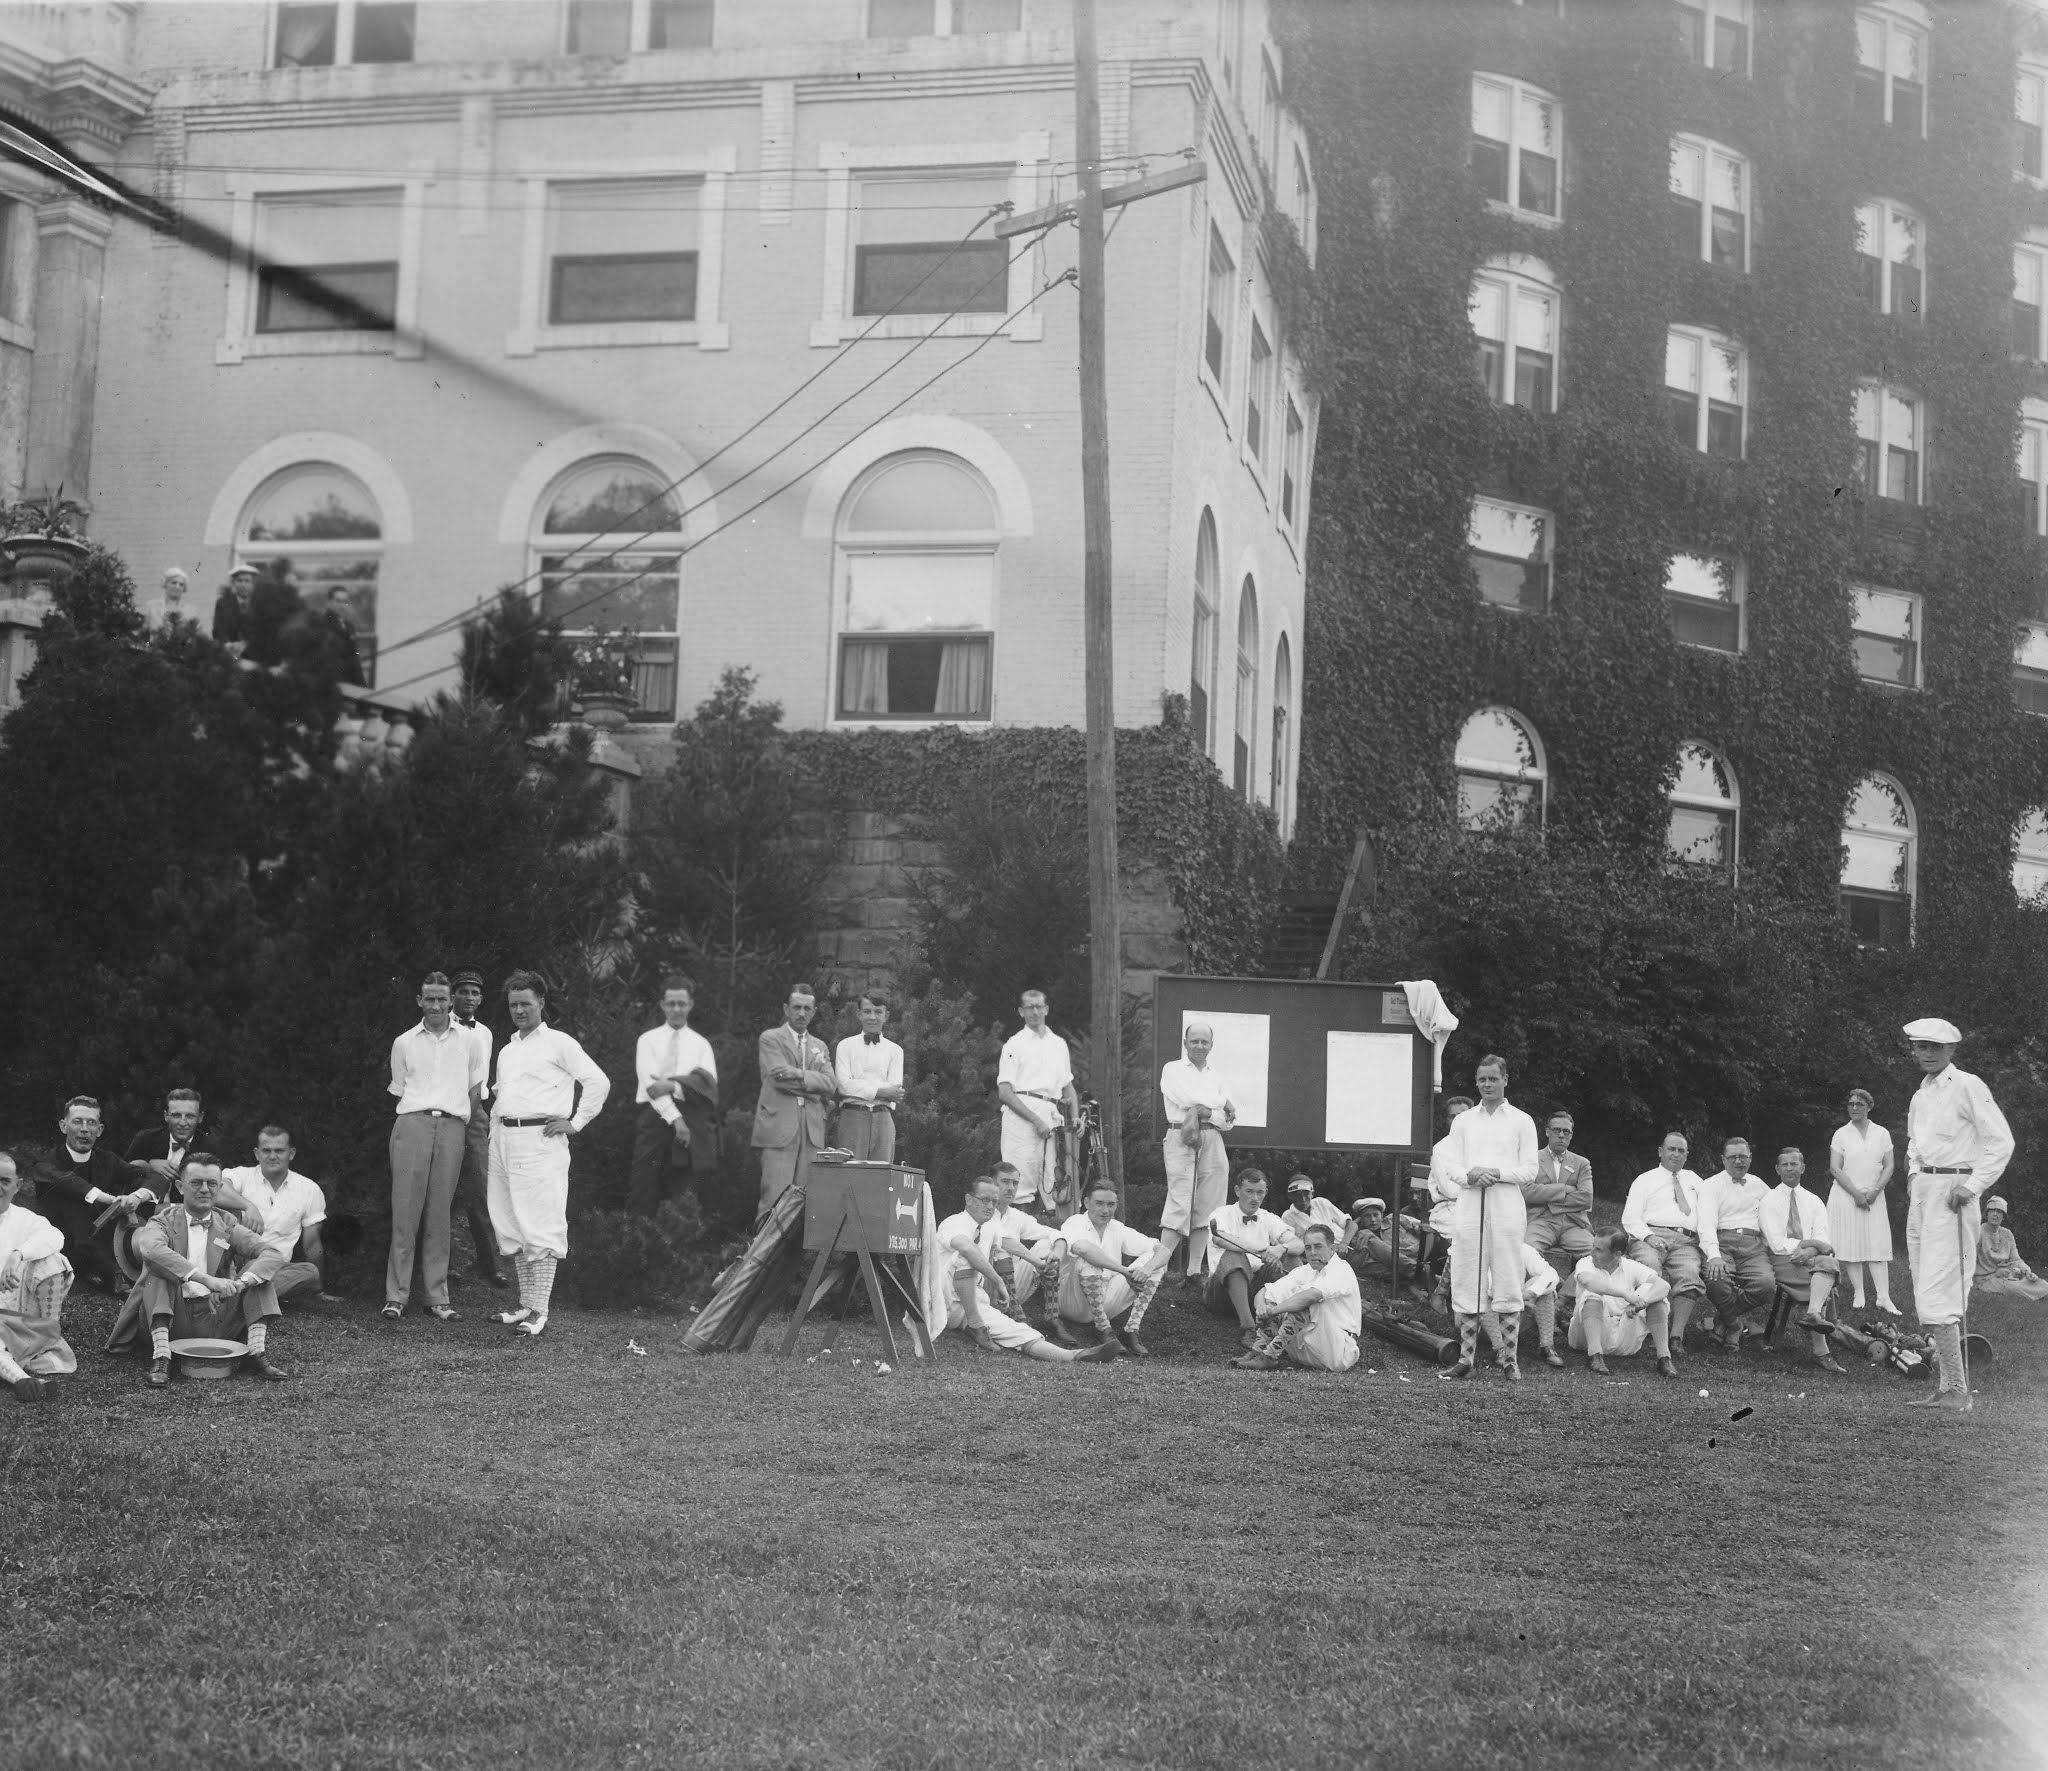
x=1105, y=913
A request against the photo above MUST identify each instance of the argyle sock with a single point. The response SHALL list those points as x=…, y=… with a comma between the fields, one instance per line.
x=543, y=1282
x=1503, y=1348
x=522, y=1267
x=1091, y=1289
x=1146, y=1289
x=1546, y=1320
x=1468, y=1339
x=159, y=1340
x=259, y=1336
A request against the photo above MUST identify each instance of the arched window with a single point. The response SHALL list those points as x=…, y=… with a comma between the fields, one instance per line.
x=1515, y=307
x=1878, y=863
x=1283, y=726
x=1208, y=594
x=1706, y=812
x=1501, y=777
x=325, y=527
x=607, y=552
x=916, y=591
x=1245, y=747
x=2030, y=858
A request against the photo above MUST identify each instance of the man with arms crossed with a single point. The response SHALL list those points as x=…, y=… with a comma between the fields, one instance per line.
x=1560, y=1201
x=1199, y=1111
x=676, y=1119
x=1795, y=1229
x=548, y=1089
x=437, y=1074
x=1311, y=1316
x=797, y=1085
x=1734, y=1263
x=965, y=1239
x=1035, y=1080
x=289, y=1206
x=1661, y=1217
x=869, y=1069
x=1957, y=1145
x=1107, y=1268
x=1489, y=1155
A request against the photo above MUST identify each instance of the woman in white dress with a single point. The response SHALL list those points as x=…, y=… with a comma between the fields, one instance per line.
x=1861, y=1160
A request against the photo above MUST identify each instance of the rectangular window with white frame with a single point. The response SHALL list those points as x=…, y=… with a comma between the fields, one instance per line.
x=1710, y=201
x=1219, y=310
x=910, y=246
x=2030, y=670
x=1891, y=66
x=622, y=253
x=1706, y=382
x=1891, y=251
x=15, y=304
x=628, y=27
x=1716, y=34
x=1269, y=118
x=1517, y=145
x=1891, y=443
x=341, y=33
x=1260, y=393
x=1511, y=547
x=1294, y=472
x=1704, y=596
x=1887, y=636
x=2031, y=458
x=2030, y=112
x=2030, y=298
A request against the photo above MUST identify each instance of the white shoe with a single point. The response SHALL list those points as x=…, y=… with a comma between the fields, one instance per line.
x=532, y=1325
x=514, y=1318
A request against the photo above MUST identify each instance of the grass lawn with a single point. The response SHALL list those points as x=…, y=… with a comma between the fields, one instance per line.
x=439, y=1548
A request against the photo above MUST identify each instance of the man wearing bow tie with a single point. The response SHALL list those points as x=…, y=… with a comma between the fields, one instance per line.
x=677, y=1130
x=869, y=1069
x=797, y=1081
x=157, y=1154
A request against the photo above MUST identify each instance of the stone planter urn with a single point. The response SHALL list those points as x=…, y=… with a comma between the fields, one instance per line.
x=43, y=559
x=603, y=710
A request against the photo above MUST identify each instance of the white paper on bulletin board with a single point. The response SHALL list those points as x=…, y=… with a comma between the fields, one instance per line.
x=1240, y=1056
x=1369, y=1089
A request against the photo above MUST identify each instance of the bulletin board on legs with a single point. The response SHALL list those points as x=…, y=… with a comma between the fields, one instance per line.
x=1311, y=1066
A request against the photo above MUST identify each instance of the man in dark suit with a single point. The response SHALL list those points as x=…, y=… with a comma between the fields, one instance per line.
x=231, y=607
x=157, y=1154
x=78, y=1183
x=1560, y=1202
x=797, y=1085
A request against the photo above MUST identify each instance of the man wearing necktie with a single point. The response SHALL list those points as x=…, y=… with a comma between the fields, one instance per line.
x=1662, y=1219
x=676, y=1131
x=472, y=1184
x=1560, y=1202
x=869, y=1070
x=1795, y=1229
x=797, y=1081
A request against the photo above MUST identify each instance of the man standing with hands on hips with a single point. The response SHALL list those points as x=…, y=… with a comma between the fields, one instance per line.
x=797, y=1081
x=537, y=1106
x=1957, y=1145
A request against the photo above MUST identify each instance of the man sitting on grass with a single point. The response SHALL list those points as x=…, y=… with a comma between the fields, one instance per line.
x=34, y=1281
x=1617, y=1297
x=1023, y=1256
x=204, y=1277
x=1107, y=1269
x=965, y=1239
x=1304, y=1209
x=1309, y=1317
x=289, y=1209
x=1539, y=1291
x=1795, y=1230
x=1246, y=1247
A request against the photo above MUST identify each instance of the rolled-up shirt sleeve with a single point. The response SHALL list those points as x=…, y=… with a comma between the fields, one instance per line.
x=1994, y=1137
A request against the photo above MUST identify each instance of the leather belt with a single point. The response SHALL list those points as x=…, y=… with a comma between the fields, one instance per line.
x=871, y=1106
x=1944, y=1171
x=542, y=1120
x=431, y=1113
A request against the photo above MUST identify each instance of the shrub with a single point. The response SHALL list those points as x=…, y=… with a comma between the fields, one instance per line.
x=619, y=1260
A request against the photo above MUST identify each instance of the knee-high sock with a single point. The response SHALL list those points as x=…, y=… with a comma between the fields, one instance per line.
x=1092, y=1279
x=1948, y=1351
x=543, y=1282
x=1546, y=1319
x=522, y=1268
x=1146, y=1289
x=1497, y=1337
x=259, y=1336
x=1198, y=1246
x=1855, y=1272
x=1468, y=1339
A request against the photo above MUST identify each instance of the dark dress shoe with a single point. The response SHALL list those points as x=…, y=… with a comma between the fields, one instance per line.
x=491, y=1276
x=256, y=1365
x=1667, y=1368
x=29, y=1389
x=1831, y=1363
x=1551, y=1356
x=1817, y=1324
x=1099, y=1354
x=1597, y=1364
x=1132, y=1345
x=1063, y=1331
x=159, y=1372
x=1462, y=1369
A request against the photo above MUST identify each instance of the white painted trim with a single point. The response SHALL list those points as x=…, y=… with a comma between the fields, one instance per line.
x=707, y=331
x=920, y=430
x=552, y=460
x=304, y=449
x=1024, y=154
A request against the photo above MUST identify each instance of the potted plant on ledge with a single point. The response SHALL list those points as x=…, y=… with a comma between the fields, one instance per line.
x=40, y=538
x=601, y=678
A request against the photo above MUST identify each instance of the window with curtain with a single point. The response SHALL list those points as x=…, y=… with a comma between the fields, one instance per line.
x=2030, y=110
x=1259, y=394
x=1514, y=309
x=1879, y=837
x=1891, y=258
x=341, y=33
x=1208, y=599
x=1706, y=809
x=319, y=529
x=1283, y=726
x=328, y=262
x=2029, y=281
x=1502, y=781
x=911, y=254
x=1517, y=144
x=1511, y=547
x=1716, y=34
x=1220, y=307
x=918, y=539
x=2030, y=857
x=1245, y=744
x=607, y=552
x=1886, y=635
x=1293, y=470
x=622, y=250
x=2031, y=458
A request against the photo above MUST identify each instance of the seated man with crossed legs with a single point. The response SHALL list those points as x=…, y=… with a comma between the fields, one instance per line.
x=1023, y=1255
x=1795, y=1229
x=1247, y=1247
x=1310, y=1316
x=1106, y=1270
x=978, y=1296
x=1617, y=1297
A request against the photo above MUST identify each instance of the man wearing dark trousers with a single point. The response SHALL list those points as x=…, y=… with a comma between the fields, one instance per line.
x=472, y=1186
x=157, y=1153
x=78, y=1183
x=676, y=1131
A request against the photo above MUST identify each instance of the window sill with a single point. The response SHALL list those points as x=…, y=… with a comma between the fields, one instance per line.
x=407, y=346
x=619, y=334
x=1024, y=329
x=1533, y=217
x=1711, y=651
x=1216, y=398
x=1258, y=473
x=909, y=722
x=19, y=333
x=1890, y=687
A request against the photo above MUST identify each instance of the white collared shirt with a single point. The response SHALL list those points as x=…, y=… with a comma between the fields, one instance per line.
x=1320, y=1211
x=959, y=1232
x=1183, y=1085
x=1780, y=1234
x=1631, y=1282
x=1116, y=1241
x=294, y=1206
x=486, y=1042
x=860, y=1069
x=1727, y=1204
x=665, y=1053
x=1262, y=1233
x=1653, y=1202
x=1503, y=1138
x=1036, y=1063
x=1954, y=1123
x=431, y=1071
x=1021, y=1226
x=1328, y=1294
x=537, y=1077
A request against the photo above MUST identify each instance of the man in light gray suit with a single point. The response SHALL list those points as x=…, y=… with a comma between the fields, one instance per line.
x=1560, y=1202
x=797, y=1086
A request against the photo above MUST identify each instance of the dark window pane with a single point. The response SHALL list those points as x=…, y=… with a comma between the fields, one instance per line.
x=1212, y=344
x=1727, y=242
x=1685, y=417
x=1907, y=99
x=1731, y=46
x=1685, y=225
x=2029, y=154
x=679, y=24
x=1875, y=919
x=1490, y=166
x=2030, y=691
x=1532, y=380
x=1287, y=494
x=2026, y=329
x=1696, y=622
x=1254, y=430
x=1882, y=659
x=970, y=16
x=939, y=278
x=1493, y=368
x=1512, y=583
x=1198, y=714
x=902, y=18
x=384, y=31
x=630, y=590
x=1539, y=183
x=305, y=35
x=600, y=27
x=1870, y=281
x=2030, y=499
x=327, y=298
x=1870, y=94
x=1902, y=475
x=1692, y=26
x=623, y=286
x=1906, y=291
x=1866, y=465
x=1724, y=429
x=1240, y=766
x=916, y=676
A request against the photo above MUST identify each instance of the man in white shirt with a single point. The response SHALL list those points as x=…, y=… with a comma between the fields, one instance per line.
x=1107, y=1268
x=1795, y=1230
x=1311, y=1316
x=1305, y=1207
x=1024, y=1253
x=548, y=1089
x=1661, y=1216
x=1441, y=1198
x=869, y=1070
x=1199, y=1111
x=291, y=1207
x=1735, y=1265
x=1617, y=1298
x=1035, y=1082
x=35, y=1278
x=1489, y=1155
x=437, y=1074
x=675, y=1132
x=472, y=1187
x=1957, y=1145
x=977, y=1298
x=1249, y=1249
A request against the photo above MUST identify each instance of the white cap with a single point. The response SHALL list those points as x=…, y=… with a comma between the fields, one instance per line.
x=1996, y=1205
x=1361, y=1204
x=1934, y=1030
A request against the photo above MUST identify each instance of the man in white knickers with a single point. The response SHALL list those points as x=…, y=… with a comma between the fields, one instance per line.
x=1035, y=1080
x=1488, y=1157
x=1618, y=1299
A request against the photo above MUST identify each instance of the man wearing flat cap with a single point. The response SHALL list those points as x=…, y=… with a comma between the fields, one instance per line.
x=1957, y=1145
